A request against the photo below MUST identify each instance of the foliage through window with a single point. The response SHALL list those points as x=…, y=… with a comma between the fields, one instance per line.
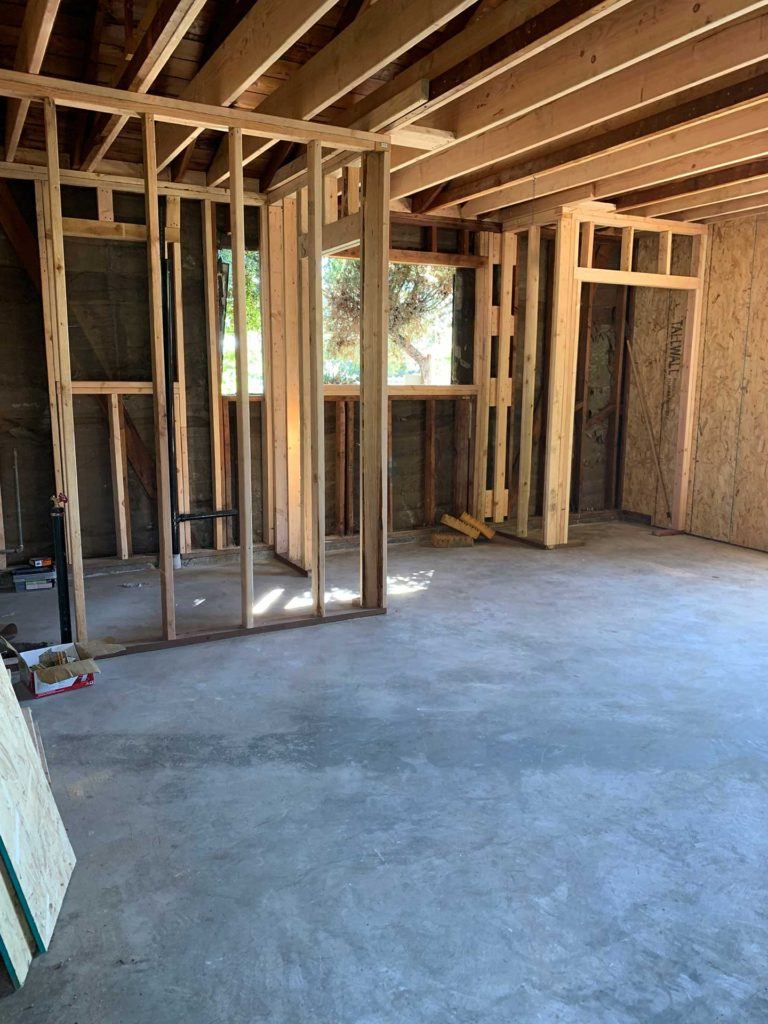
x=253, y=327
x=420, y=322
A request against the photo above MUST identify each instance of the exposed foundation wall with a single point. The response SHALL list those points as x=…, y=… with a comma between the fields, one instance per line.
x=730, y=477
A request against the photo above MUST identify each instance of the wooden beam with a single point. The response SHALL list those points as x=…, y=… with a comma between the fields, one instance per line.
x=375, y=38
x=161, y=30
x=39, y=16
x=672, y=196
x=160, y=398
x=116, y=231
x=263, y=35
x=618, y=168
x=528, y=395
x=315, y=352
x=172, y=111
x=123, y=182
x=638, y=87
x=373, y=381
x=277, y=397
x=173, y=249
x=245, y=490
x=60, y=326
x=635, y=278
x=338, y=235
x=211, y=293
x=725, y=208
x=119, y=465
x=508, y=29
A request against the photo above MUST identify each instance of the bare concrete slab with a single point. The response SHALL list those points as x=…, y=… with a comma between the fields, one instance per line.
x=534, y=792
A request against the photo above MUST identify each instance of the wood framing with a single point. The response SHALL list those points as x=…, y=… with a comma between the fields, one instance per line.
x=213, y=343
x=245, y=490
x=373, y=380
x=39, y=17
x=315, y=353
x=159, y=395
x=481, y=373
x=60, y=329
x=528, y=395
x=119, y=466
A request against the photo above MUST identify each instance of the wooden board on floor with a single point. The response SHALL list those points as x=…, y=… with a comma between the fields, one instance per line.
x=33, y=841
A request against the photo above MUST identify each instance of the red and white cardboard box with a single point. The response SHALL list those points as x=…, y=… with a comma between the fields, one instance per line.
x=43, y=681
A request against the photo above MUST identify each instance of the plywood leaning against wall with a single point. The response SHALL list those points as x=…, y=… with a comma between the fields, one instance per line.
x=17, y=947
x=34, y=845
x=730, y=472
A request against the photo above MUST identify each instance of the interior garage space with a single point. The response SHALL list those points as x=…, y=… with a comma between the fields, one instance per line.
x=383, y=520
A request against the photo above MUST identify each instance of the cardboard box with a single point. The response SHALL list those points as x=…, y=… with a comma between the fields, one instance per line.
x=78, y=670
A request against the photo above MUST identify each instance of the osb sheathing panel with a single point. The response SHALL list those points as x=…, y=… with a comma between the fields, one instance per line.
x=649, y=329
x=749, y=519
x=722, y=371
x=730, y=478
x=677, y=304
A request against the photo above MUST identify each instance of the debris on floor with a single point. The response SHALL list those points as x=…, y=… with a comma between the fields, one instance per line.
x=47, y=670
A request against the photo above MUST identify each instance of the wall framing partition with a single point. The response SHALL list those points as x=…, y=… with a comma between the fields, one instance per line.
x=575, y=228
x=350, y=146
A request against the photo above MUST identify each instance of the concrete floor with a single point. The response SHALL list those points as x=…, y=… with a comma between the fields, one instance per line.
x=534, y=792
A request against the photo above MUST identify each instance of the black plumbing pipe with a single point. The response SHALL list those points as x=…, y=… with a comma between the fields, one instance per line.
x=169, y=331
x=62, y=576
x=188, y=517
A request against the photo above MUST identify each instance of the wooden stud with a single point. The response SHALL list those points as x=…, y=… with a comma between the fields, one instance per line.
x=430, y=461
x=173, y=228
x=481, y=371
x=627, y=245
x=689, y=369
x=210, y=289
x=292, y=361
x=105, y=199
x=349, y=489
x=350, y=190
x=664, y=264
x=390, y=469
x=119, y=466
x=315, y=351
x=306, y=397
x=340, y=408
x=278, y=377
x=245, y=490
x=561, y=397
x=503, y=376
x=530, y=344
x=373, y=380
x=60, y=324
x=162, y=461
x=267, y=409
x=461, y=453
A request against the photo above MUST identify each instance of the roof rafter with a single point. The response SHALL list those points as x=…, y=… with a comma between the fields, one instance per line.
x=261, y=37
x=629, y=45
x=39, y=17
x=379, y=35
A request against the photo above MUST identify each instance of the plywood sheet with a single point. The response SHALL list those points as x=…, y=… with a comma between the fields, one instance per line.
x=33, y=842
x=727, y=317
x=17, y=946
x=649, y=341
x=749, y=520
x=677, y=304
